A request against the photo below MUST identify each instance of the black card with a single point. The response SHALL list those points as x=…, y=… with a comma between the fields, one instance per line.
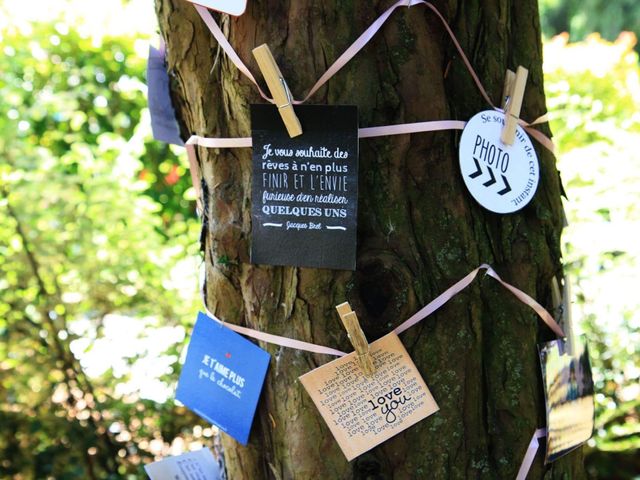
x=305, y=189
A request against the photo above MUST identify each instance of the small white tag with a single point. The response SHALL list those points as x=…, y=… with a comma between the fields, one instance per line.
x=232, y=7
x=502, y=178
x=198, y=465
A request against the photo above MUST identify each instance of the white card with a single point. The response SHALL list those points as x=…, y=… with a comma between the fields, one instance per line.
x=502, y=178
x=232, y=7
x=198, y=465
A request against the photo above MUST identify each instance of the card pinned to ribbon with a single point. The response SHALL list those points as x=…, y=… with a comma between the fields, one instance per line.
x=363, y=411
x=305, y=189
x=200, y=465
x=568, y=393
x=164, y=125
x=498, y=163
x=222, y=377
x=502, y=178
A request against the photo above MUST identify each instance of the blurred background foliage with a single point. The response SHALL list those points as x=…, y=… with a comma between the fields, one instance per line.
x=99, y=244
x=593, y=94
x=98, y=259
x=580, y=18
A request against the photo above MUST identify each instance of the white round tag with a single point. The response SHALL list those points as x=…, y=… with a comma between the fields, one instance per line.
x=502, y=178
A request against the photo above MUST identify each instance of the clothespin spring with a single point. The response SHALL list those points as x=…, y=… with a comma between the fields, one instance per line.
x=287, y=93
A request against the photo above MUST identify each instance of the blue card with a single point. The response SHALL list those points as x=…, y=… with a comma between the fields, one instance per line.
x=222, y=377
x=163, y=118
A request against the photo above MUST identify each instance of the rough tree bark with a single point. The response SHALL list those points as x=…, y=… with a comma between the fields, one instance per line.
x=419, y=231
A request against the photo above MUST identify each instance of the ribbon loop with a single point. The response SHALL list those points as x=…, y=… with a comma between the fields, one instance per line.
x=460, y=285
x=348, y=54
x=416, y=318
x=528, y=300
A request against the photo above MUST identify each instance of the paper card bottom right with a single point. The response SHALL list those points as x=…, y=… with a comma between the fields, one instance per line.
x=568, y=392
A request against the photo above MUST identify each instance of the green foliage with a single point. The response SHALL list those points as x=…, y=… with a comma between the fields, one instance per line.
x=593, y=92
x=581, y=17
x=86, y=232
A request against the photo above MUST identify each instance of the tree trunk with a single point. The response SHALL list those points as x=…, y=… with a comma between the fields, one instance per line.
x=418, y=231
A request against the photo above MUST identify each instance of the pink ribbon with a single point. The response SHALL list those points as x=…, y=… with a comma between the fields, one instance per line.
x=460, y=285
x=194, y=169
x=367, y=132
x=343, y=59
x=532, y=449
x=266, y=337
x=276, y=339
x=439, y=301
x=423, y=313
x=220, y=142
x=403, y=128
x=527, y=300
x=356, y=46
x=226, y=46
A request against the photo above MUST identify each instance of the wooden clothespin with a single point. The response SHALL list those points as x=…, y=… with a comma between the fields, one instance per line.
x=278, y=88
x=357, y=338
x=562, y=303
x=509, y=80
x=512, y=96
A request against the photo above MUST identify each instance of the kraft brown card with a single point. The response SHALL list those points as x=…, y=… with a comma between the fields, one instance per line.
x=363, y=412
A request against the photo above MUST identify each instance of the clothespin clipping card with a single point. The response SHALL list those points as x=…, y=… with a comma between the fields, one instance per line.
x=569, y=395
x=567, y=381
x=562, y=311
x=357, y=337
x=278, y=88
x=513, y=96
x=232, y=7
x=498, y=163
x=363, y=411
x=304, y=186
